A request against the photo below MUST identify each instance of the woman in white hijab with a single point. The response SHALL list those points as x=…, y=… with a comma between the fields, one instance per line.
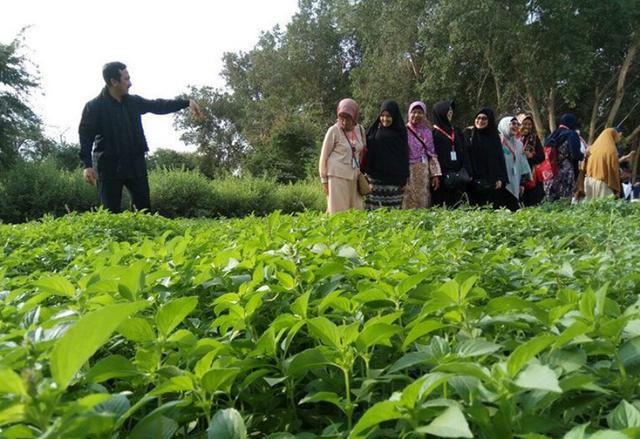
x=518, y=169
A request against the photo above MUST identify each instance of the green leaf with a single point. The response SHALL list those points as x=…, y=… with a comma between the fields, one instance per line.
x=409, y=360
x=157, y=424
x=227, y=424
x=137, y=330
x=173, y=313
x=526, y=351
x=12, y=414
x=630, y=355
x=286, y=280
x=477, y=348
x=10, y=382
x=131, y=281
x=180, y=383
x=326, y=331
x=330, y=397
x=578, y=432
x=420, y=330
x=85, y=337
x=451, y=423
x=57, y=285
x=378, y=413
x=608, y=434
x=113, y=366
x=540, y=377
x=306, y=360
x=299, y=307
x=624, y=416
x=218, y=378
x=377, y=334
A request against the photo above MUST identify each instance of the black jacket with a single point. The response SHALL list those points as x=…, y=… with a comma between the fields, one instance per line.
x=111, y=134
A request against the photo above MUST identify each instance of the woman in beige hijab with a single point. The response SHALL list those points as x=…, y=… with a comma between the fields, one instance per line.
x=602, y=177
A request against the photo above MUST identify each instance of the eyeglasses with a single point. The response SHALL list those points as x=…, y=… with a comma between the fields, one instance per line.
x=482, y=118
x=515, y=122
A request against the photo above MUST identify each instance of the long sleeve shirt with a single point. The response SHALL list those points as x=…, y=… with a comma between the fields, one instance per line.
x=111, y=135
x=336, y=158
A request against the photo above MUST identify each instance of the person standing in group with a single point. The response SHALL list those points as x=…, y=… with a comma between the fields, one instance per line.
x=452, y=156
x=563, y=152
x=387, y=159
x=112, y=141
x=424, y=168
x=602, y=173
x=533, y=189
x=340, y=159
x=518, y=170
x=487, y=160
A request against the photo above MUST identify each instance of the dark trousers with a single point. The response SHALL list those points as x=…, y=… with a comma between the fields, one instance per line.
x=110, y=192
x=504, y=198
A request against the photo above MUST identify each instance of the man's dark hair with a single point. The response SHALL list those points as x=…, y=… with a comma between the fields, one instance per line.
x=112, y=70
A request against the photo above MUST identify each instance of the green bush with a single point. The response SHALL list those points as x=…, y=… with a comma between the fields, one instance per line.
x=237, y=197
x=180, y=193
x=301, y=196
x=32, y=189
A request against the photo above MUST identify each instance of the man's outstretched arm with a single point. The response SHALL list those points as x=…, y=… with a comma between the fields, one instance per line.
x=166, y=106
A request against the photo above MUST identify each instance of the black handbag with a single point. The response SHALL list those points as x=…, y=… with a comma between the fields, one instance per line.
x=483, y=186
x=457, y=179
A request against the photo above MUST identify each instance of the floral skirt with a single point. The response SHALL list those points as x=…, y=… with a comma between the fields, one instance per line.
x=383, y=195
x=417, y=194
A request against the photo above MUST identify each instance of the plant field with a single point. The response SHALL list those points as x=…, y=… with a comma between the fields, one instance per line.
x=415, y=324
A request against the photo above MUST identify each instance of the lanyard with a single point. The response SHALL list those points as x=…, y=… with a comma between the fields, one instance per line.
x=451, y=136
x=353, y=149
x=511, y=150
x=419, y=138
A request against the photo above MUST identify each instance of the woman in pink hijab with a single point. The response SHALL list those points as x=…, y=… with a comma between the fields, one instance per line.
x=339, y=165
x=424, y=167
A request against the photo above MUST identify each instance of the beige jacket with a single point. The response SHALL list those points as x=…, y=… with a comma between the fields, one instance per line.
x=335, y=157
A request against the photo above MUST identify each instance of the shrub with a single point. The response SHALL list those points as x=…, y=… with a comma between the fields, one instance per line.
x=180, y=193
x=32, y=189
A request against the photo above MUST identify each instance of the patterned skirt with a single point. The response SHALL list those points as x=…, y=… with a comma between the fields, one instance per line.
x=383, y=195
x=417, y=194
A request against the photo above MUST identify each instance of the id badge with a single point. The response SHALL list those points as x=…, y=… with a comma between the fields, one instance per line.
x=423, y=159
x=515, y=170
x=354, y=164
x=454, y=156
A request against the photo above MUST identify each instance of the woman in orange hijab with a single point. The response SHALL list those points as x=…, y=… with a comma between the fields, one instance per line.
x=602, y=177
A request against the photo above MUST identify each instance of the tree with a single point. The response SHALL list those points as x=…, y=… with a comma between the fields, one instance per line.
x=169, y=159
x=218, y=136
x=18, y=122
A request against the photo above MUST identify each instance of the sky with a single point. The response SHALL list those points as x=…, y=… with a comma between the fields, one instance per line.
x=167, y=45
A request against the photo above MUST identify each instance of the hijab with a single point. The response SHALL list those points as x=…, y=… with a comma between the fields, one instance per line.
x=568, y=125
x=485, y=150
x=422, y=129
x=602, y=162
x=388, y=150
x=423, y=107
x=504, y=127
x=440, y=111
x=350, y=107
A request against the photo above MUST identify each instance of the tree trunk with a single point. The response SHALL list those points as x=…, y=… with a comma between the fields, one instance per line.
x=535, y=111
x=594, y=115
x=551, y=108
x=622, y=77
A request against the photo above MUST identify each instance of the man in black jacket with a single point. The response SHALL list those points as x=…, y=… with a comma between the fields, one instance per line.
x=112, y=141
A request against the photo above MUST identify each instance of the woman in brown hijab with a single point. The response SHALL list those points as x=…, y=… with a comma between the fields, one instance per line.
x=603, y=167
